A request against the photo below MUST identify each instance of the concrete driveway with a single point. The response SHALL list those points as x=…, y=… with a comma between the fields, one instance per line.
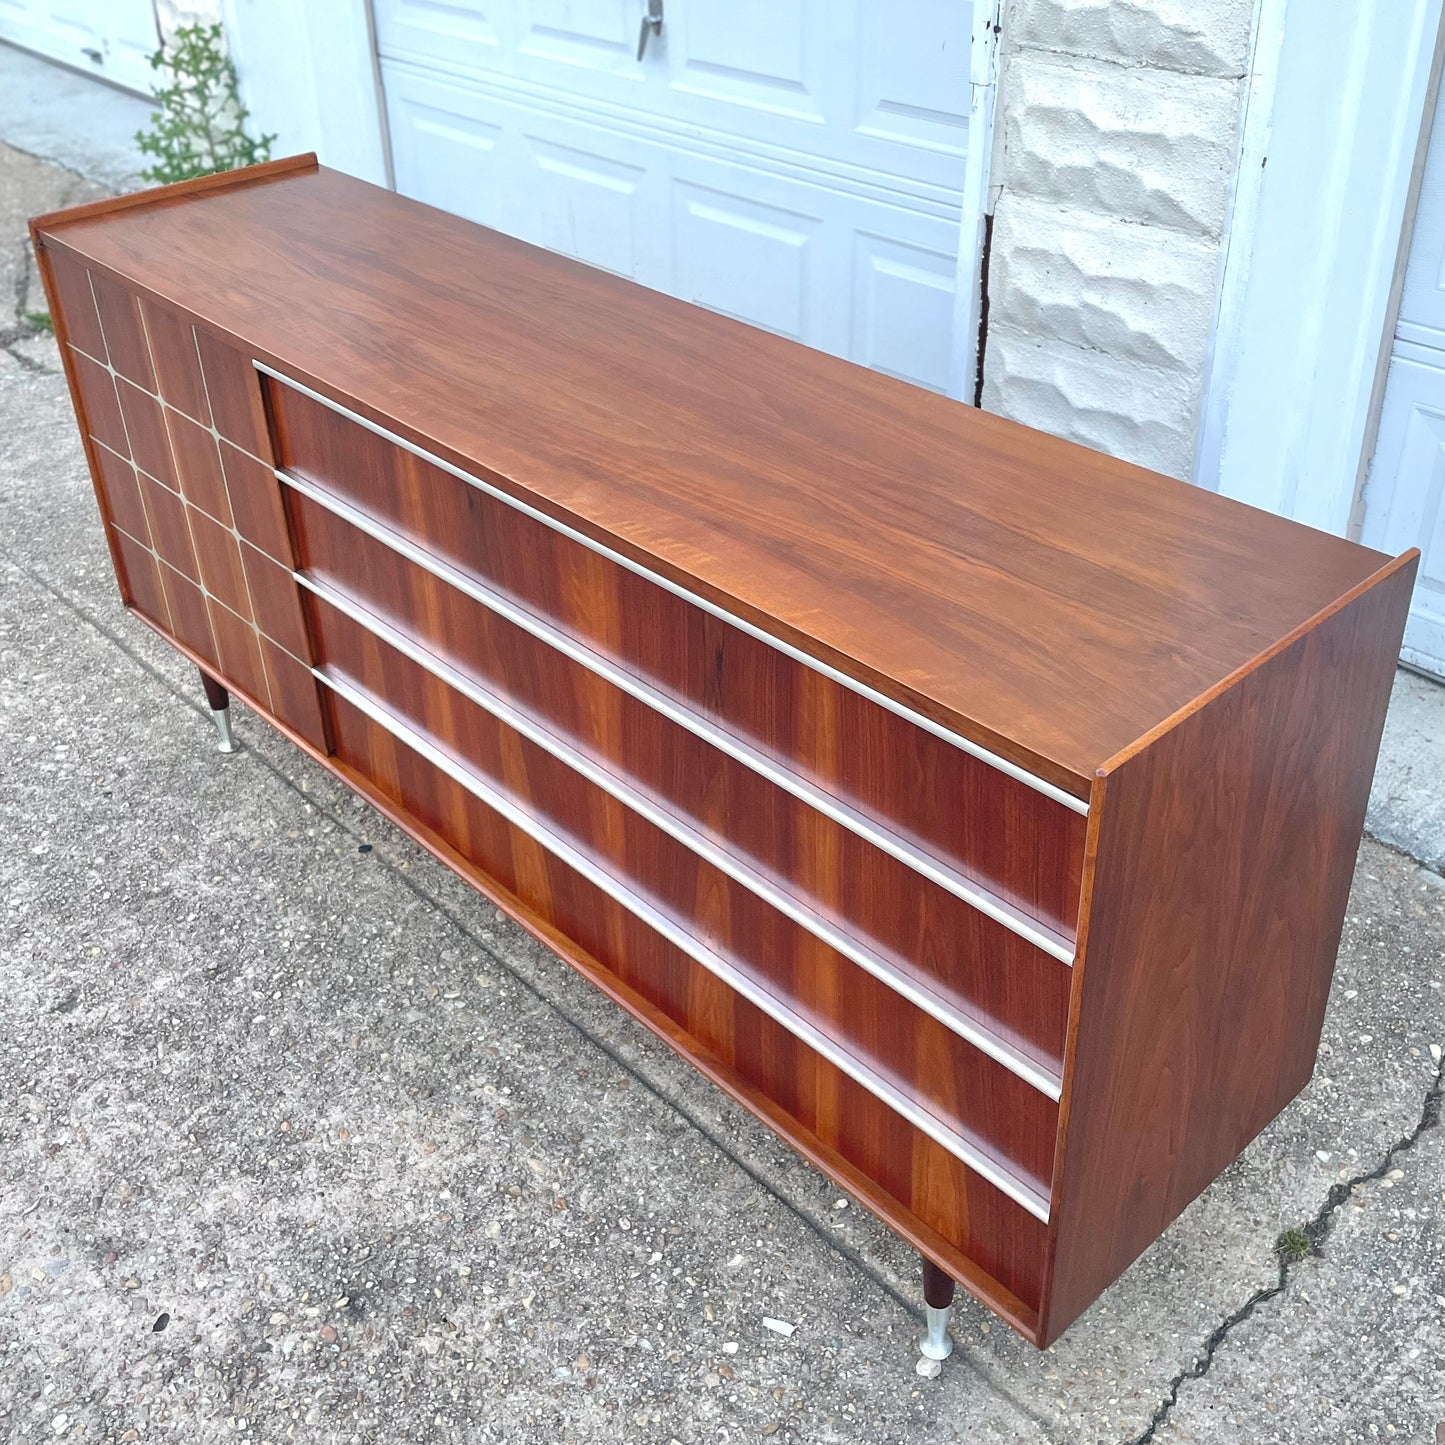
x=301, y=1140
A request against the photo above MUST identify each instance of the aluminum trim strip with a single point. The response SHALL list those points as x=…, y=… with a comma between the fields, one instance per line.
x=715, y=963
x=823, y=802
x=838, y=939
x=879, y=699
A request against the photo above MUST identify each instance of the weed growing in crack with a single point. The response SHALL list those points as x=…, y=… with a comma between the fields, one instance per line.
x=1293, y=1245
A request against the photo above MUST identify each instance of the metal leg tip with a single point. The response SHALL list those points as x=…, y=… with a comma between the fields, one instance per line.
x=934, y=1341
x=222, y=718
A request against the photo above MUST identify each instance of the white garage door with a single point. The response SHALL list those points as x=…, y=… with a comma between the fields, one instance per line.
x=113, y=39
x=797, y=164
x=1405, y=493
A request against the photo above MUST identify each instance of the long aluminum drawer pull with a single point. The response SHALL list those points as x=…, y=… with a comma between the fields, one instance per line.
x=967, y=745
x=715, y=963
x=823, y=802
x=838, y=939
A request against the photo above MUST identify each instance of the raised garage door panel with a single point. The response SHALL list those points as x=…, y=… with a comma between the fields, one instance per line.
x=1405, y=492
x=870, y=87
x=852, y=274
x=113, y=39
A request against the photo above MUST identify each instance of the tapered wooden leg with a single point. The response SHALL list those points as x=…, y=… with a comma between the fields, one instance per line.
x=934, y=1341
x=220, y=704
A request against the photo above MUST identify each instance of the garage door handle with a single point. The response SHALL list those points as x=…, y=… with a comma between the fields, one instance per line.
x=651, y=25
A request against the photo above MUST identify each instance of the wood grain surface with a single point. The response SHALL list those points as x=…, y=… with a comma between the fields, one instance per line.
x=995, y=1110
x=966, y=958
x=1213, y=680
x=1049, y=602
x=1020, y=844
x=808, y=1095
x=1223, y=860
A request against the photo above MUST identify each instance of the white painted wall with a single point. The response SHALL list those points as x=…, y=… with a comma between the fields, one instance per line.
x=308, y=76
x=1113, y=172
x=1311, y=286
x=172, y=14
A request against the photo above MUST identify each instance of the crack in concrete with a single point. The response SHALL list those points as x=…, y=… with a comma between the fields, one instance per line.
x=7, y=345
x=21, y=327
x=104, y=183
x=1316, y=1232
x=1129, y=65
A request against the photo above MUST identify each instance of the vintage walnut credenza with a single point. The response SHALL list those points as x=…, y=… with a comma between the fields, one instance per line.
x=977, y=810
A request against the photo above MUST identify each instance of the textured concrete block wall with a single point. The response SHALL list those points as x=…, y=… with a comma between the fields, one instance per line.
x=1114, y=162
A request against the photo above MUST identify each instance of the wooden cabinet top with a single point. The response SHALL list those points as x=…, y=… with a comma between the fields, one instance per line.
x=1049, y=602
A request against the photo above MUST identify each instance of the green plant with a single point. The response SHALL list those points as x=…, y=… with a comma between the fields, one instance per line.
x=1294, y=1245
x=201, y=125
x=39, y=320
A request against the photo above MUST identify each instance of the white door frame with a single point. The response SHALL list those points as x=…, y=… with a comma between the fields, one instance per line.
x=1331, y=148
x=309, y=74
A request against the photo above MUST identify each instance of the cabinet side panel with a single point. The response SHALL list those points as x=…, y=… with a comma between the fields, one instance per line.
x=1225, y=850
x=993, y=828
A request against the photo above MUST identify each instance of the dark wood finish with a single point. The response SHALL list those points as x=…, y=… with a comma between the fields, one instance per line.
x=1223, y=854
x=190, y=617
x=162, y=196
x=170, y=529
x=121, y=490
x=256, y=501
x=234, y=391
x=1022, y=845
x=937, y=1286
x=1007, y=1118
x=992, y=1231
x=295, y=700
x=972, y=962
x=217, y=698
x=218, y=555
x=198, y=467
x=1211, y=679
x=125, y=340
x=96, y=395
x=178, y=368
x=145, y=430
x=275, y=601
x=68, y=286
x=140, y=580
x=936, y=1175
x=240, y=652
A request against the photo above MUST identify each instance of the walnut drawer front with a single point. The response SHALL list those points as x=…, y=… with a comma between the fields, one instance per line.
x=1018, y=837
x=1011, y=995
x=1001, y=1117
